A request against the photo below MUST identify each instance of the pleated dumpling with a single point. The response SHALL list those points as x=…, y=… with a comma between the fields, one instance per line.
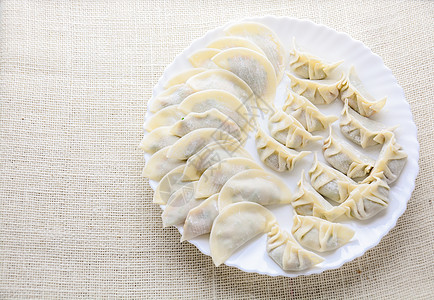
x=358, y=98
x=345, y=158
x=287, y=253
x=172, y=96
x=202, y=58
x=257, y=186
x=308, y=66
x=224, y=102
x=157, y=139
x=274, y=155
x=213, y=179
x=320, y=235
x=200, y=219
x=391, y=160
x=183, y=76
x=170, y=183
x=288, y=131
x=361, y=130
x=266, y=39
x=194, y=141
x=159, y=164
x=212, y=118
x=252, y=67
x=211, y=154
x=179, y=204
x=165, y=117
x=306, y=113
x=227, y=42
x=237, y=224
x=322, y=91
x=329, y=182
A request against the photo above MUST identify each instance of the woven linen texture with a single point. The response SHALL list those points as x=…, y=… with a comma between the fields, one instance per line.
x=76, y=218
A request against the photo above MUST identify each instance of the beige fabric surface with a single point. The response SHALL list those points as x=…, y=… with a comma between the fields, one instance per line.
x=76, y=218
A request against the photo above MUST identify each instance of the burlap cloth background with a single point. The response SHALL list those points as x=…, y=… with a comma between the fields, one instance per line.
x=76, y=219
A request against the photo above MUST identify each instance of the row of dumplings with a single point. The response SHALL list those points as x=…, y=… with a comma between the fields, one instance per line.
x=210, y=184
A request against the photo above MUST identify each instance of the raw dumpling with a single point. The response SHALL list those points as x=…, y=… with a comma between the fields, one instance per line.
x=211, y=154
x=237, y=224
x=345, y=158
x=182, y=77
x=257, y=186
x=165, y=117
x=179, y=204
x=202, y=58
x=266, y=39
x=172, y=96
x=170, y=183
x=306, y=113
x=320, y=235
x=391, y=160
x=157, y=139
x=212, y=118
x=308, y=66
x=287, y=253
x=307, y=199
x=227, y=42
x=329, y=182
x=213, y=179
x=274, y=155
x=252, y=67
x=317, y=91
x=361, y=130
x=199, y=220
x=358, y=98
x=194, y=141
x=224, y=102
x=288, y=131
x=159, y=164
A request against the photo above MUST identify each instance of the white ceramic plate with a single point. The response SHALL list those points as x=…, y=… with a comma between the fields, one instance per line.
x=378, y=79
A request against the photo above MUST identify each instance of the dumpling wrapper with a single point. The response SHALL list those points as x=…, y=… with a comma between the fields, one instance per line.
x=159, y=164
x=157, y=139
x=256, y=186
x=172, y=96
x=165, y=117
x=183, y=76
x=170, y=183
x=202, y=58
x=228, y=42
x=237, y=224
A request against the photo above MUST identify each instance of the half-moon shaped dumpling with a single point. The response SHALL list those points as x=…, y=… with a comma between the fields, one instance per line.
x=307, y=199
x=257, y=186
x=179, y=204
x=165, y=117
x=213, y=179
x=199, y=220
x=227, y=42
x=306, y=113
x=172, y=96
x=159, y=164
x=345, y=158
x=358, y=98
x=194, y=141
x=288, y=131
x=391, y=160
x=211, y=154
x=266, y=39
x=329, y=182
x=202, y=58
x=170, y=183
x=274, y=155
x=320, y=235
x=212, y=118
x=157, y=139
x=322, y=91
x=183, y=76
x=287, y=253
x=308, y=66
x=252, y=67
x=361, y=130
x=237, y=224
x=224, y=102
